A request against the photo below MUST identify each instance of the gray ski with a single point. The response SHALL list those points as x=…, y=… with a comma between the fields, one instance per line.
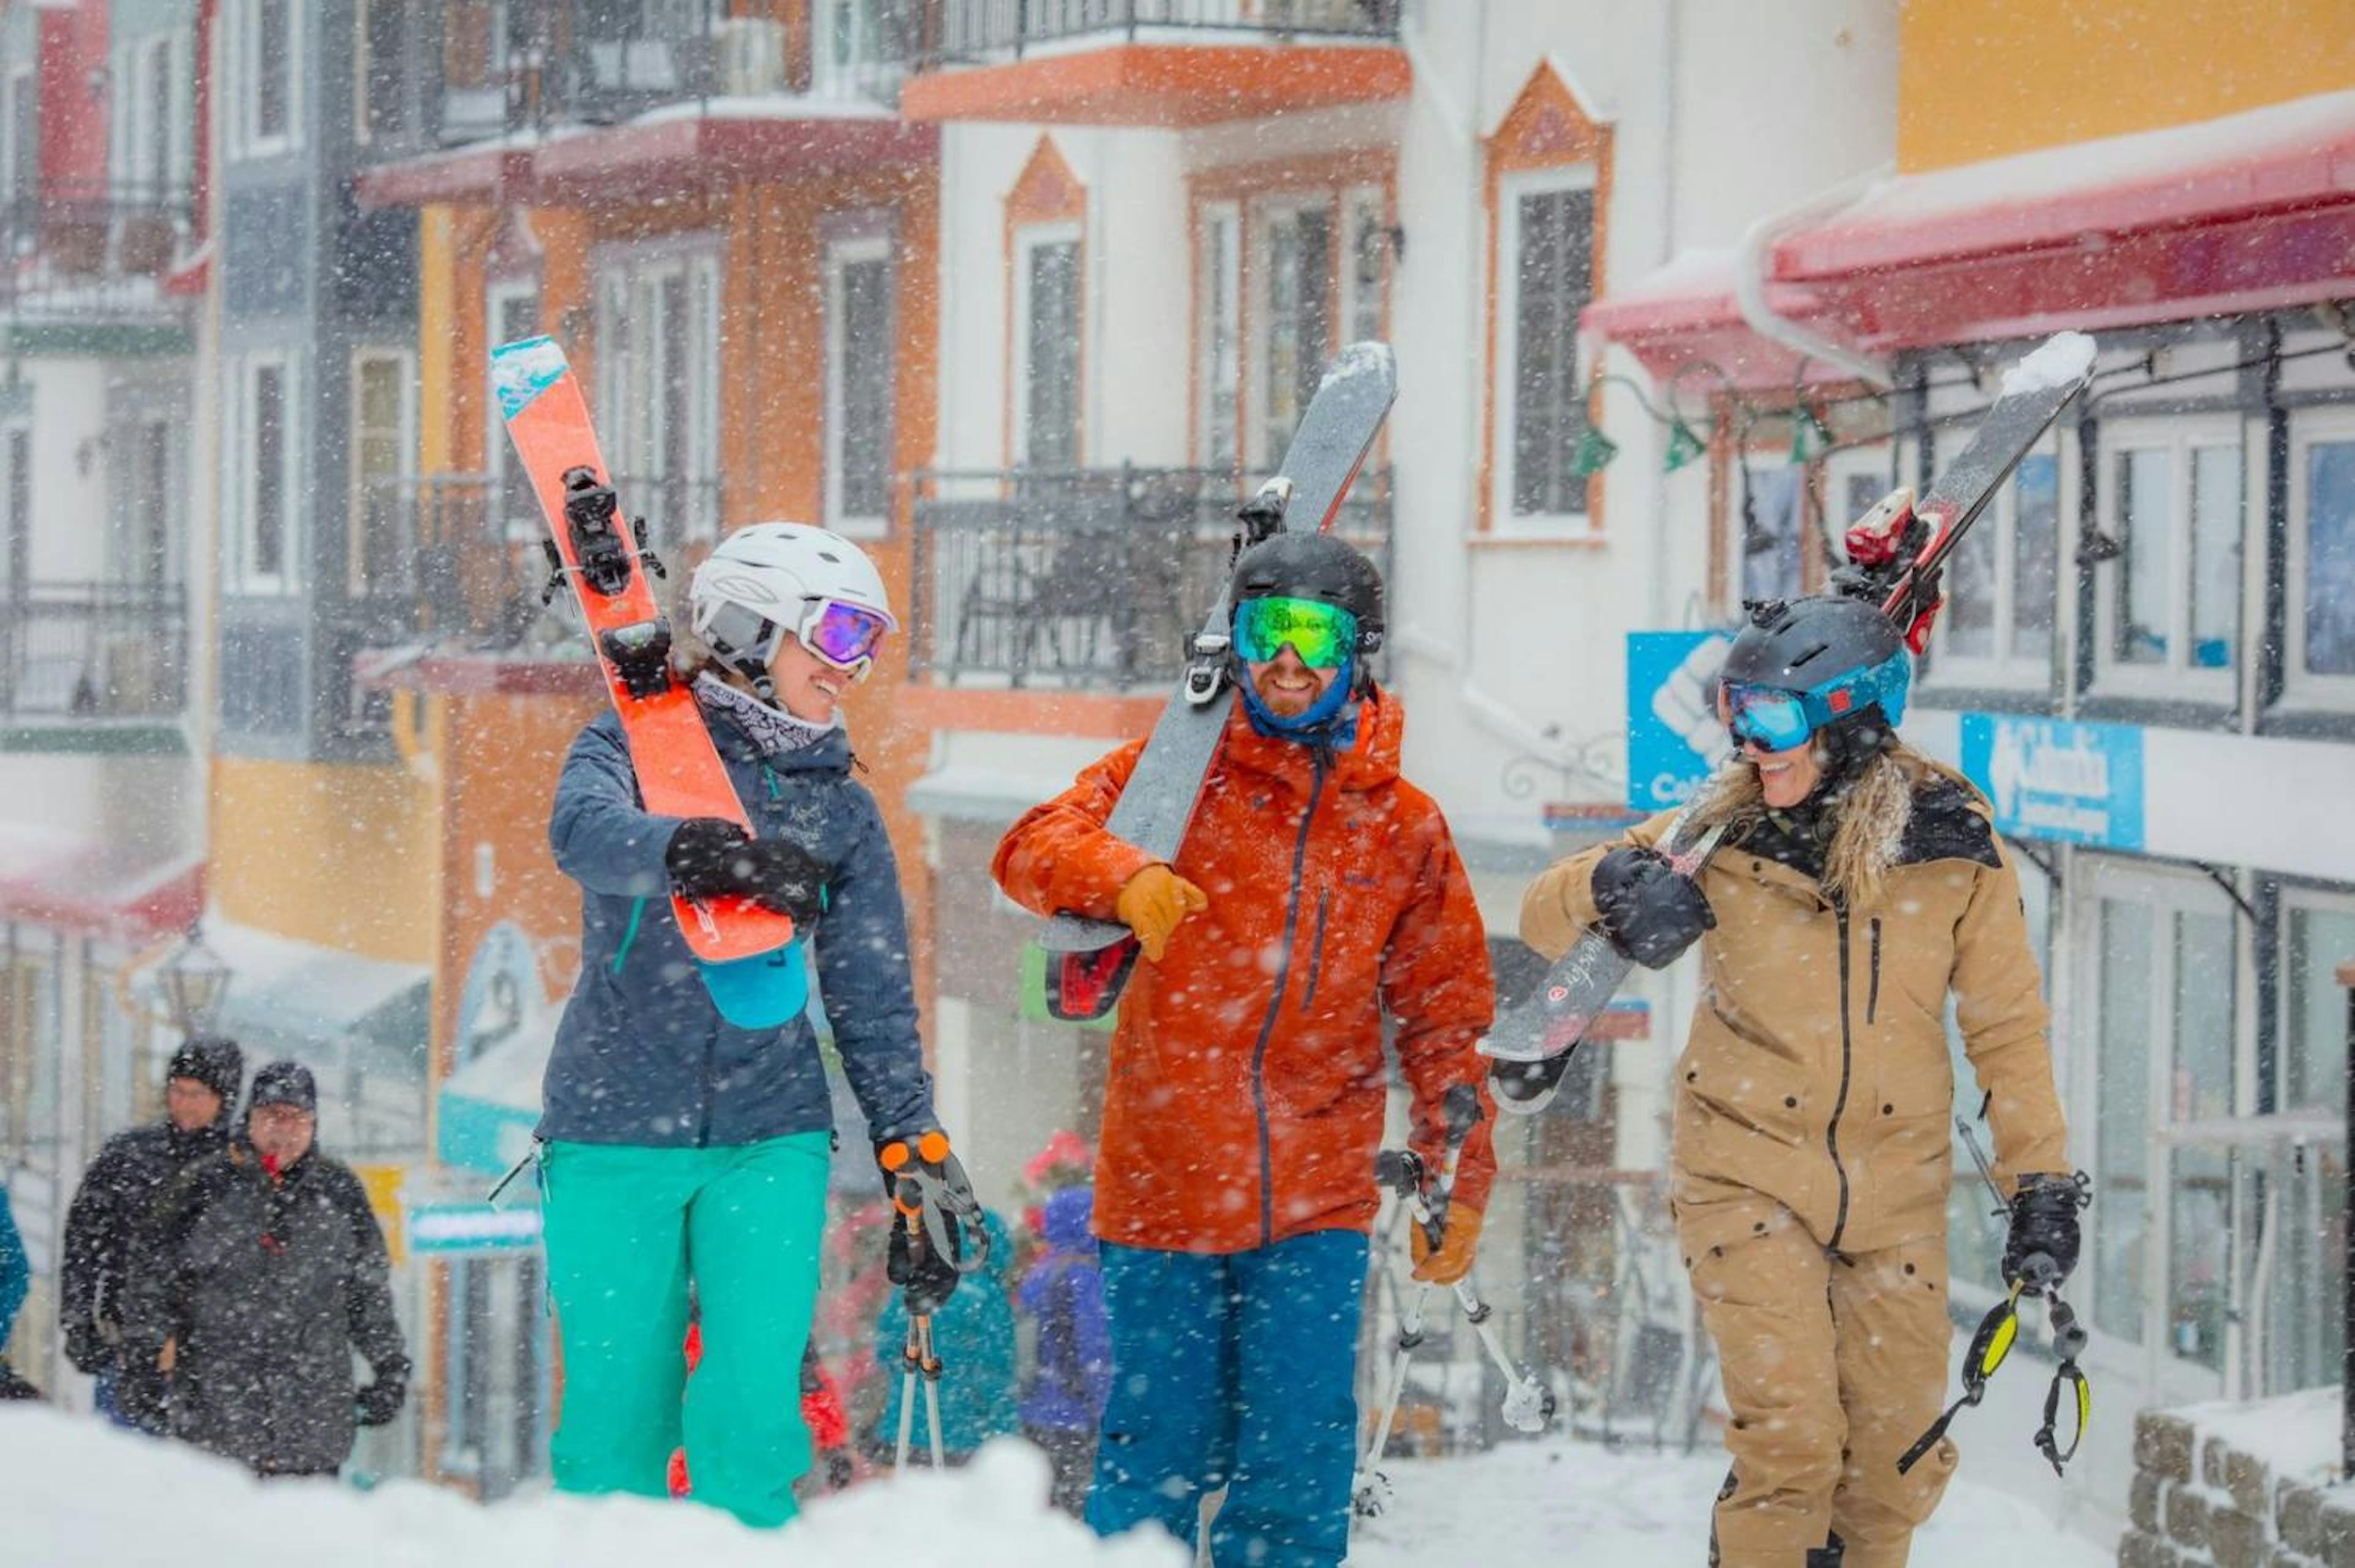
x=1330, y=445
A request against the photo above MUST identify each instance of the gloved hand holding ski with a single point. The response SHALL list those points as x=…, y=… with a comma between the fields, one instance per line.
x=1898, y=552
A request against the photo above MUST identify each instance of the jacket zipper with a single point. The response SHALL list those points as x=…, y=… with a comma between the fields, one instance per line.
x=1831, y=1131
x=1317, y=950
x=1872, y=993
x=1275, y=1005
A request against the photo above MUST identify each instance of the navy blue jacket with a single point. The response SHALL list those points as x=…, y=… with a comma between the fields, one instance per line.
x=642, y=1056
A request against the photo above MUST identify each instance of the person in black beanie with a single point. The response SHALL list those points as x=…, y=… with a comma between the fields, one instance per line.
x=110, y=1231
x=271, y=1271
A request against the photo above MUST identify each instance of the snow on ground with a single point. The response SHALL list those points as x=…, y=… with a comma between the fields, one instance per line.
x=76, y=1491
x=1557, y=1502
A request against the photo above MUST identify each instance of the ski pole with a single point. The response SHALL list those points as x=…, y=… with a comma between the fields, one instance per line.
x=933, y=1212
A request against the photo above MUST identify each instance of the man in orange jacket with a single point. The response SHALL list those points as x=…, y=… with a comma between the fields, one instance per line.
x=1315, y=889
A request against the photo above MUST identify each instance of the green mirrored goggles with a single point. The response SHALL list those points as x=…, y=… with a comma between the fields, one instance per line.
x=1323, y=635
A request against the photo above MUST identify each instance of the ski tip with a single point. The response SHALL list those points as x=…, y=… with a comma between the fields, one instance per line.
x=1366, y=358
x=523, y=369
x=2063, y=357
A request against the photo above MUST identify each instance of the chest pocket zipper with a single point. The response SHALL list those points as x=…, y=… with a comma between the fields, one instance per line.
x=1316, y=950
x=1872, y=987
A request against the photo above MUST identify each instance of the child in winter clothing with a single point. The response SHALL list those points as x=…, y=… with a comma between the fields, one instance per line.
x=1063, y=1293
x=679, y=1149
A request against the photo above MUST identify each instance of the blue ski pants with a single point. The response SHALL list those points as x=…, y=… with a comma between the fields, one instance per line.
x=627, y=1229
x=1236, y=1370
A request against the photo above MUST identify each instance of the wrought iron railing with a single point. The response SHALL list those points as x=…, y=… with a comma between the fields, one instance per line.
x=93, y=650
x=516, y=65
x=1083, y=578
x=960, y=30
x=74, y=249
x=456, y=559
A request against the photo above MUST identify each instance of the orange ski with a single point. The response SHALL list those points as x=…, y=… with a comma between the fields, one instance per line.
x=602, y=555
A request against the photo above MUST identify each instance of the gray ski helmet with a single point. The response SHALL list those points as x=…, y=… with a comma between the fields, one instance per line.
x=1314, y=566
x=1800, y=645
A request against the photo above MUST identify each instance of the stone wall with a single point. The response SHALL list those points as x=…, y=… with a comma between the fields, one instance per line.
x=2213, y=1498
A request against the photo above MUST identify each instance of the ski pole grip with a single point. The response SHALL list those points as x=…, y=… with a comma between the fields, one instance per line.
x=1399, y=1171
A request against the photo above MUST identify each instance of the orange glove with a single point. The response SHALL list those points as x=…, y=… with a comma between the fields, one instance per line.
x=1154, y=902
x=1453, y=1260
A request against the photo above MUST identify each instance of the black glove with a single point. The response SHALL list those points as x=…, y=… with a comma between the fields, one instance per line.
x=1650, y=913
x=709, y=857
x=87, y=1348
x=2042, y=1246
x=378, y=1403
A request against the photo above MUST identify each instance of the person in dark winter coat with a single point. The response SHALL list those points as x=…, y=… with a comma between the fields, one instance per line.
x=1063, y=1293
x=110, y=1227
x=270, y=1272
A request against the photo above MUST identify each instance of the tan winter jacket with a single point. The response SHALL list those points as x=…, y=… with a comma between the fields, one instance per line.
x=1818, y=1071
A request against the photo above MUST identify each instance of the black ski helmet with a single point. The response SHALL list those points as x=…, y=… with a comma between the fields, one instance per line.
x=1842, y=656
x=1314, y=566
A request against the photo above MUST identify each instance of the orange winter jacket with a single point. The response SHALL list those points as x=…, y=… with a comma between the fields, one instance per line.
x=1245, y=1097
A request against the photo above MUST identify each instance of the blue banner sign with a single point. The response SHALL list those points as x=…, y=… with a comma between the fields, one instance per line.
x=1674, y=738
x=2051, y=779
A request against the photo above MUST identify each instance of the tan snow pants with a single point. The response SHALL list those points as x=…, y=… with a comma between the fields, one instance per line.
x=1833, y=1364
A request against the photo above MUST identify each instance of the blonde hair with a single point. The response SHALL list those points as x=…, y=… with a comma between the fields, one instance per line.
x=1873, y=812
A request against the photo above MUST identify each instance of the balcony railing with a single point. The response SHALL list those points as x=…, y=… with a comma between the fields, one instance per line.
x=516, y=65
x=966, y=29
x=72, y=251
x=1083, y=579
x=455, y=559
x=93, y=650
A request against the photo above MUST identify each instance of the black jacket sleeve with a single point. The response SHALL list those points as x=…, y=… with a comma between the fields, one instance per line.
x=367, y=1290
x=91, y=1279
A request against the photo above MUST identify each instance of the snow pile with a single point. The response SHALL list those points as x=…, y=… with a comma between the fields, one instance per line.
x=2297, y=1435
x=1566, y=1502
x=79, y=1492
x=2066, y=356
x=1359, y=360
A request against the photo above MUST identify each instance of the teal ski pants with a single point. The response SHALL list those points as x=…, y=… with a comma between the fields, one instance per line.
x=627, y=1229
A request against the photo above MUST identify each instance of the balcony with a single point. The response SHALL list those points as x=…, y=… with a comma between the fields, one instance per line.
x=448, y=571
x=76, y=257
x=543, y=101
x=93, y=665
x=1166, y=63
x=1083, y=580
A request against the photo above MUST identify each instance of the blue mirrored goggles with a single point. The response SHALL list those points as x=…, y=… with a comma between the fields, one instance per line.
x=1776, y=719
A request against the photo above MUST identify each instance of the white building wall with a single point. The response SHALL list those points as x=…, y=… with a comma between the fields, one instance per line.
x=68, y=421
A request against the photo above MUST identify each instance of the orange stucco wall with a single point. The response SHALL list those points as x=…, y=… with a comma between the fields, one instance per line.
x=338, y=854
x=1983, y=78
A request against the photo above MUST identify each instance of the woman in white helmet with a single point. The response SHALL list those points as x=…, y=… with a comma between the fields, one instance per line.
x=681, y=1151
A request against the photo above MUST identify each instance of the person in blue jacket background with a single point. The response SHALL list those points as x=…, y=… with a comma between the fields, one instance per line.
x=1063, y=1293
x=15, y=1284
x=972, y=1334
x=680, y=1150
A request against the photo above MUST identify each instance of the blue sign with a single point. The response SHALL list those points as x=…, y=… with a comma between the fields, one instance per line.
x=2074, y=784
x=1674, y=738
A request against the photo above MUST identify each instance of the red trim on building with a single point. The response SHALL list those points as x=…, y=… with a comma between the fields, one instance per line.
x=658, y=157
x=478, y=675
x=2252, y=213
x=68, y=896
x=461, y=177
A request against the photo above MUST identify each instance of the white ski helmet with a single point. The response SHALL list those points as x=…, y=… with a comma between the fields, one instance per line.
x=771, y=579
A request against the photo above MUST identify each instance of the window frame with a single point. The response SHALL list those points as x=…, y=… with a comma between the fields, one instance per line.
x=2167, y=891
x=842, y=252
x=243, y=574
x=363, y=67
x=1029, y=238
x=635, y=272
x=1219, y=361
x=2006, y=670
x=404, y=367
x=2180, y=436
x=2308, y=427
x=245, y=137
x=1262, y=215
x=1504, y=289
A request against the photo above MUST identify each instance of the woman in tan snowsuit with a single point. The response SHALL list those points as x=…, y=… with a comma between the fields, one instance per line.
x=1856, y=885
